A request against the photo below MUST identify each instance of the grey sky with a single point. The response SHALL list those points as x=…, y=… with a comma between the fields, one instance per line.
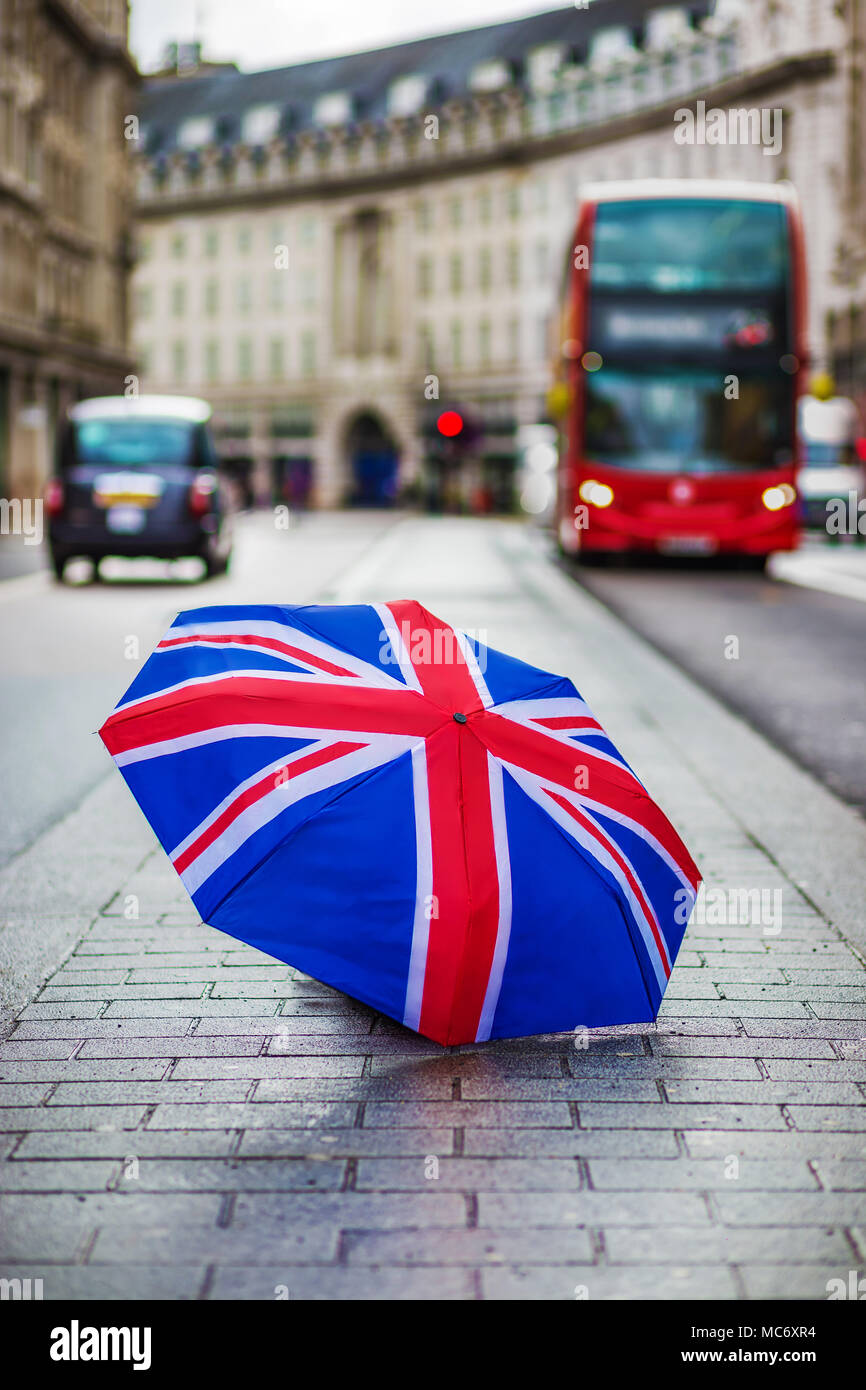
x=269, y=33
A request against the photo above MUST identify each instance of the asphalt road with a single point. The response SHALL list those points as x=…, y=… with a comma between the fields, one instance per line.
x=70, y=651
x=796, y=669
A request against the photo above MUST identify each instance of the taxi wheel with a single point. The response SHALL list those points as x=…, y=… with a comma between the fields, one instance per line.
x=58, y=564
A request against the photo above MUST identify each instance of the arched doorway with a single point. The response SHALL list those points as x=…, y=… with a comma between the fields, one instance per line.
x=373, y=460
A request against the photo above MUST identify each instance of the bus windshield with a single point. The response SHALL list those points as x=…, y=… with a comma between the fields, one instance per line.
x=682, y=422
x=689, y=245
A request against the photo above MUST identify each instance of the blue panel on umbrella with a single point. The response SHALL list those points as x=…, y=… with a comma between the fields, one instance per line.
x=570, y=956
x=171, y=667
x=336, y=899
x=355, y=628
x=177, y=793
x=509, y=679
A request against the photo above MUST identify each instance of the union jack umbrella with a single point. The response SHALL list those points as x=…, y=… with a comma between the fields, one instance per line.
x=438, y=829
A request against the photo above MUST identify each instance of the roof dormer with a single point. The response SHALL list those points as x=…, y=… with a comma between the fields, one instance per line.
x=195, y=132
x=407, y=95
x=490, y=76
x=260, y=124
x=333, y=108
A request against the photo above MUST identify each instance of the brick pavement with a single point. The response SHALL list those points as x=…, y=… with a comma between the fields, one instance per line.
x=181, y=1117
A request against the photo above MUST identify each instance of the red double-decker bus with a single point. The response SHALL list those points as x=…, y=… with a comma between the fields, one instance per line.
x=682, y=354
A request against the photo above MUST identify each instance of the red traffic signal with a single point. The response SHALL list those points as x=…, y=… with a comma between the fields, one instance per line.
x=450, y=423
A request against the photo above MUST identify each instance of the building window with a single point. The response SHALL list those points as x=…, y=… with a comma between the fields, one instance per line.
x=245, y=359
x=455, y=273
x=178, y=299
x=455, y=212
x=178, y=246
x=512, y=202
x=426, y=346
x=245, y=238
x=490, y=76
x=484, y=342
x=542, y=262
x=334, y=108
x=144, y=302
x=277, y=358
x=513, y=340
x=425, y=277
x=308, y=231
x=512, y=264
x=485, y=206
x=195, y=132
x=308, y=353
x=308, y=290
x=423, y=219
x=485, y=269
x=211, y=241
x=276, y=291
x=244, y=298
x=406, y=95
x=456, y=344
x=211, y=297
x=260, y=124
x=211, y=360
x=178, y=360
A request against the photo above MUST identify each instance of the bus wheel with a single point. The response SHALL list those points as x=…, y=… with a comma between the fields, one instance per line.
x=754, y=564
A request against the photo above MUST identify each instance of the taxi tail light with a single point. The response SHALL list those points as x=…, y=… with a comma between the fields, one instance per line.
x=202, y=494
x=54, y=497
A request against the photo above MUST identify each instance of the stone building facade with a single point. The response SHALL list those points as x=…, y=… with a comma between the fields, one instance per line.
x=67, y=86
x=326, y=246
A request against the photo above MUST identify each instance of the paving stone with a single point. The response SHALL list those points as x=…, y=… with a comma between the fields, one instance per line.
x=349, y=1211
x=727, y=1245
x=59, y=1117
x=771, y=1144
x=299, y=1115
x=185, y=1243
x=795, y=1281
x=778, y=1208
x=764, y=1092
x=477, y=1247
x=850, y=1117
x=347, y=1143
x=592, y=1209
x=235, y=1174
x=146, y=1092
x=62, y=1176
x=699, y=1282
x=842, y=1175
x=636, y=1175
x=598, y=1115
x=467, y=1175
x=557, y=1143
x=101, y=1283
x=123, y=1144
x=528, y=1114
x=326, y=1283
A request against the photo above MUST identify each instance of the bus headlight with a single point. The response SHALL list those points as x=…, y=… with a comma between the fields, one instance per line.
x=598, y=494
x=775, y=498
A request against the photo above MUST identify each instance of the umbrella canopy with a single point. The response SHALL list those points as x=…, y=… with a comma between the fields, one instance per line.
x=442, y=831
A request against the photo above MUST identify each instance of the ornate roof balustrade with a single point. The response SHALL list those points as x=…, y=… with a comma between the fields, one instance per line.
x=472, y=129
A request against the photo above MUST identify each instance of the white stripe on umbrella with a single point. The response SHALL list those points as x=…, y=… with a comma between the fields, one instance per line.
x=424, y=889
x=503, y=869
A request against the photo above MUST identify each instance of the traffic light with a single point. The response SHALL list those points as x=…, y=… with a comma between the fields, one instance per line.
x=450, y=424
